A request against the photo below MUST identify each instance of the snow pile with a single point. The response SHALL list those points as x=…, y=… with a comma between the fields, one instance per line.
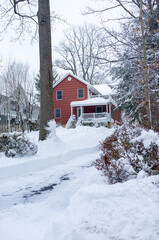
x=59, y=194
x=52, y=130
x=65, y=145
x=70, y=140
x=98, y=211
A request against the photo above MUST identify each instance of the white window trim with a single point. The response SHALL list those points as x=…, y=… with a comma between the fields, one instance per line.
x=78, y=95
x=55, y=113
x=56, y=95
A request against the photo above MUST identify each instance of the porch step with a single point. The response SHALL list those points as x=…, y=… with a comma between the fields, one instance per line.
x=71, y=123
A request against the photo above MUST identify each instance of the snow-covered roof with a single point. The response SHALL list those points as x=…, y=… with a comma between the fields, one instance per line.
x=91, y=87
x=96, y=101
x=104, y=89
x=100, y=89
x=71, y=74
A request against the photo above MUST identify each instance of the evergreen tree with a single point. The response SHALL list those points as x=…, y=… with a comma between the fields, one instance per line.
x=56, y=77
x=130, y=71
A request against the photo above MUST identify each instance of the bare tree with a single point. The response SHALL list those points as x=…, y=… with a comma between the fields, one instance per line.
x=21, y=12
x=18, y=90
x=80, y=53
x=111, y=5
x=17, y=16
x=32, y=113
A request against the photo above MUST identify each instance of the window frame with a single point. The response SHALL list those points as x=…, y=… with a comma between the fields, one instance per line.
x=78, y=93
x=56, y=113
x=61, y=94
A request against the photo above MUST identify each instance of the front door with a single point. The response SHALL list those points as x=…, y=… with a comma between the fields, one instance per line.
x=78, y=112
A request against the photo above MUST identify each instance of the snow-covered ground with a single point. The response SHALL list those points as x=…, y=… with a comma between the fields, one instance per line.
x=58, y=194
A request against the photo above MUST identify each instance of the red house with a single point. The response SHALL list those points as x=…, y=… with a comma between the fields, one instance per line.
x=77, y=100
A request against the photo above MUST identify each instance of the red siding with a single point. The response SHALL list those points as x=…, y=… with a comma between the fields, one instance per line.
x=69, y=89
x=92, y=109
x=117, y=115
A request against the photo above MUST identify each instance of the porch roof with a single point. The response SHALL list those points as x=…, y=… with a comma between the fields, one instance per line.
x=104, y=89
x=96, y=101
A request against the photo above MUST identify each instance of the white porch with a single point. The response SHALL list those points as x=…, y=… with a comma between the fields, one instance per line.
x=83, y=116
x=95, y=117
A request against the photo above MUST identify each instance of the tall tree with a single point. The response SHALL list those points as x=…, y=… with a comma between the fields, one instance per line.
x=79, y=53
x=144, y=31
x=46, y=80
x=130, y=69
x=142, y=18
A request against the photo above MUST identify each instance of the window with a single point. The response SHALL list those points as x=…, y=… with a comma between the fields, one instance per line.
x=112, y=110
x=81, y=93
x=59, y=95
x=24, y=110
x=57, y=113
x=99, y=109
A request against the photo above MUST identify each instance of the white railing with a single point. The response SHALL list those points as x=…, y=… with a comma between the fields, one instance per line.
x=95, y=117
x=70, y=120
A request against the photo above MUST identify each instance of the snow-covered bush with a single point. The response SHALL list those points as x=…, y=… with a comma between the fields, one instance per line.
x=51, y=128
x=92, y=124
x=127, y=152
x=16, y=144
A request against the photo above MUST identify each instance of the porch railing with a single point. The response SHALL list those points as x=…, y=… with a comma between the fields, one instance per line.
x=95, y=117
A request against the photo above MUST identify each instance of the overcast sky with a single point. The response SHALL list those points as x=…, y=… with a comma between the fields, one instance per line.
x=69, y=10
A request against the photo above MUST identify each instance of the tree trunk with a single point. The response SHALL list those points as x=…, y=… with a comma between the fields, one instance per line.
x=46, y=82
x=145, y=68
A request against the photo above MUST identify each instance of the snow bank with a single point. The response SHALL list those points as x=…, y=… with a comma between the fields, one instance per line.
x=119, y=212
x=66, y=144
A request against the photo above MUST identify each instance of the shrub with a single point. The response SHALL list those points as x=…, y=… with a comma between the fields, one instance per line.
x=16, y=144
x=124, y=155
x=88, y=124
x=92, y=124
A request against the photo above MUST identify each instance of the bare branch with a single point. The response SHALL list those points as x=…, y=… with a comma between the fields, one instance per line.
x=77, y=50
x=130, y=13
x=16, y=10
x=92, y=11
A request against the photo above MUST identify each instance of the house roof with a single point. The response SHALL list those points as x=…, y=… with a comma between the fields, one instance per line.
x=91, y=87
x=96, y=101
x=104, y=89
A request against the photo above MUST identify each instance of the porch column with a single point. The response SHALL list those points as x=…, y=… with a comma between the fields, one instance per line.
x=106, y=112
x=109, y=112
x=110, y=107
x=81, y=110
x=71, y=111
